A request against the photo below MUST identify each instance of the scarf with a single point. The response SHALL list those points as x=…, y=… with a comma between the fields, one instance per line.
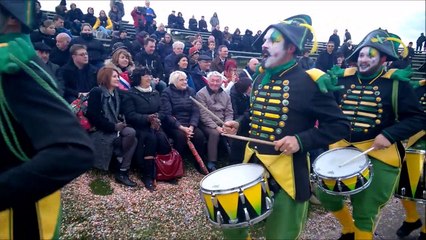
x=141, y=89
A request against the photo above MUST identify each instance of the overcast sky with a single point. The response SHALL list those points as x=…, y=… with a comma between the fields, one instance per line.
x=404, y=18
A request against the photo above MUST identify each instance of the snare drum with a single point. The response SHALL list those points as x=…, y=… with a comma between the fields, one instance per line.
x=348, y=179
x=412, y=180
x=237, y=195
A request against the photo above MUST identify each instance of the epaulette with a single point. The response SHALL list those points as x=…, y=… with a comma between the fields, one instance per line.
x=315, y=73
x=350, y=71
x=398, y=74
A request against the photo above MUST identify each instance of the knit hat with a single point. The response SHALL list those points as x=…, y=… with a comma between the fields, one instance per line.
x=41, y=46
x=193, y=51
x=295, y=29
x=385, y=42
x=23, y=10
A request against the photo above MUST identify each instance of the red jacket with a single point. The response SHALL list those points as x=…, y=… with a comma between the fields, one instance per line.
x=137, y=18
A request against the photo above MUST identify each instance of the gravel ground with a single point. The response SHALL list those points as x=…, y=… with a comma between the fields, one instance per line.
x=175, y=212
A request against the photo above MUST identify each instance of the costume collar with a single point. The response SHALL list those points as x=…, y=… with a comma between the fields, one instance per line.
x=269, y=72
x=379, y=72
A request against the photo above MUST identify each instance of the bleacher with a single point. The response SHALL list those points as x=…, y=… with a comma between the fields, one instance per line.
x=242, y=57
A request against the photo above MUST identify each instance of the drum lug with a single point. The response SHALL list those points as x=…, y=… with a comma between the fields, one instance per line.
x=403, y=191
x=339, y=185
x=268, y=203
x=361, y=179
x=313, y=177
x=219, y=218
x=242, y=197
x=214, y=201
x=246, y=214
x=424, y=194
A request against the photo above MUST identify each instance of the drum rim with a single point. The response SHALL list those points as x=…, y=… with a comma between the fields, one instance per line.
x=242, y=224
x=417, y=200
x=229, y=190
x=366, y=165
x=413, y=150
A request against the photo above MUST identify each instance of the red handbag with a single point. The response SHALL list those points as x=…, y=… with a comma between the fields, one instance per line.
x=169, y=166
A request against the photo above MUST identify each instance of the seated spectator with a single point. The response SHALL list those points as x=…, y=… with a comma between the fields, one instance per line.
x=240, y=98
x=122, y=38
x=236, y=41
x=60, y=54
x=104, y=25
x=77, y=76
x=347, y=48
x=138, y=19
x=141, y=107
x=182, y=64
x=122, y=60
x=43, y=52
x=165, y=46
x=250, y=69
x=103, y=113
x=200, y=71
x=75, y=17
x=218, y=35
x=218, y=63
x=230, y=75
x=202, y=25
x=211, y=52
x=59, y=22
x=61, y=9
x=180, y=22
x=247, y=41
x=116, y=17
x=305, y=61
x=216, y=100
x=206, y=44
x=120, y=6
x=326, y=59
x=170, y=60
x=340, y=62
x=89, y=17
x=160, y=32
x=194, y=54
x=192, y=24
x=401, y=63
x=227, y=36
x=180, y=115
x=40, y=16
x=94, y=46
x=171, y=20
x=45, y=33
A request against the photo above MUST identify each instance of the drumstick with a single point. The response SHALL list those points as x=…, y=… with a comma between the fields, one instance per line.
x=197, y=157
x=207, y=110
x=248, y=139
x=357, y=156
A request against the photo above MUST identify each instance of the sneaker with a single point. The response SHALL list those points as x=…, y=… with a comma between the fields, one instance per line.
x=347, y=236
x=407, y=228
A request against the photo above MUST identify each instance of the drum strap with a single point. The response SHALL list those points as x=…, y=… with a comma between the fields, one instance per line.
x=395, y=99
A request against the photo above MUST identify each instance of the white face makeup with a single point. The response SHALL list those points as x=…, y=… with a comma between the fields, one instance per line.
x=368, y=61
x=273, y=48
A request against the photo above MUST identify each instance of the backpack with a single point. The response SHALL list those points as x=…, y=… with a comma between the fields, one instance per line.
x=79, y=108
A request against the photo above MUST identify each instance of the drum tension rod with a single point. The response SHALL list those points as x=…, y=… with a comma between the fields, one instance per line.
x=242, y=197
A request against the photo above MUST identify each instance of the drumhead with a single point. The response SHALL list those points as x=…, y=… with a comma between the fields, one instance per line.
x=327, y=164
x=231, y=177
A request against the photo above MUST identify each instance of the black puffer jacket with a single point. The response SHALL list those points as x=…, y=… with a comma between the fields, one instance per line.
x=152, y=62
x=177, y=108
x=95, y=48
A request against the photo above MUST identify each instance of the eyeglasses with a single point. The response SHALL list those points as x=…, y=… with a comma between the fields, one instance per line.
x=82, y=54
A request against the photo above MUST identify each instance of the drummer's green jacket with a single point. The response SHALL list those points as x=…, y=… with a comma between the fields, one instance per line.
x=379, y=105
x=288, y=103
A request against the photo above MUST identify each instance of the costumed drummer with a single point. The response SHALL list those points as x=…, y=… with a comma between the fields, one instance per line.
x=285, y=103
x=412, y=219
x=42, y=145
x=383, y=110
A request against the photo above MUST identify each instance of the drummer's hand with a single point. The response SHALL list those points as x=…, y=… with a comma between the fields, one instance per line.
x=287, y=145
x=230, y=127
x=381, y=142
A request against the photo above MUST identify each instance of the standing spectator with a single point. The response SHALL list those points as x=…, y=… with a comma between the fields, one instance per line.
x=45, y=33
x=218, y=35
x=77, y=76
x=410, y=51
x=95, y=48
x=120, y=6
x=202, y=25
x=335, y=39
x=247, y=41
x=149, y=59
x=250, y=69
x=43, y=52
x=150, y=15
x=89, y=17
x=305, y=61
x=103, y=25
x=216, y=100
x=214, y=21
x=103, y=112
x=59, y=22
x=40, y=16
x=327, y=58
x=347, y=48
x=138, y=19
x=60, y=54
x=115, y=16
x=347, y=36
x=170, y=60
x=236, y=40
x=61, y=9
x=75, y=17
x=171, y=20
x=180, y=115
x=122, y=38
x=180, y=22
x=218, y=63
x=200, y=71
x=193, y=24
x=420, y=40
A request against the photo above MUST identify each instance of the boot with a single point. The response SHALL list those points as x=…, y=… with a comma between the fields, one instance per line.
x=123, y=178
x=149, y=174
x=408, y=227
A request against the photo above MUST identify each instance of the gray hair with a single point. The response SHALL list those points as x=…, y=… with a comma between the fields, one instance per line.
x=174, y=77
x=214, y=74
x=178, y=44
x=63, y=35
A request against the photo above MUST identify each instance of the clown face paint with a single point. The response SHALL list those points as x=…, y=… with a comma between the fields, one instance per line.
x=273, y=48
x=368, y=61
